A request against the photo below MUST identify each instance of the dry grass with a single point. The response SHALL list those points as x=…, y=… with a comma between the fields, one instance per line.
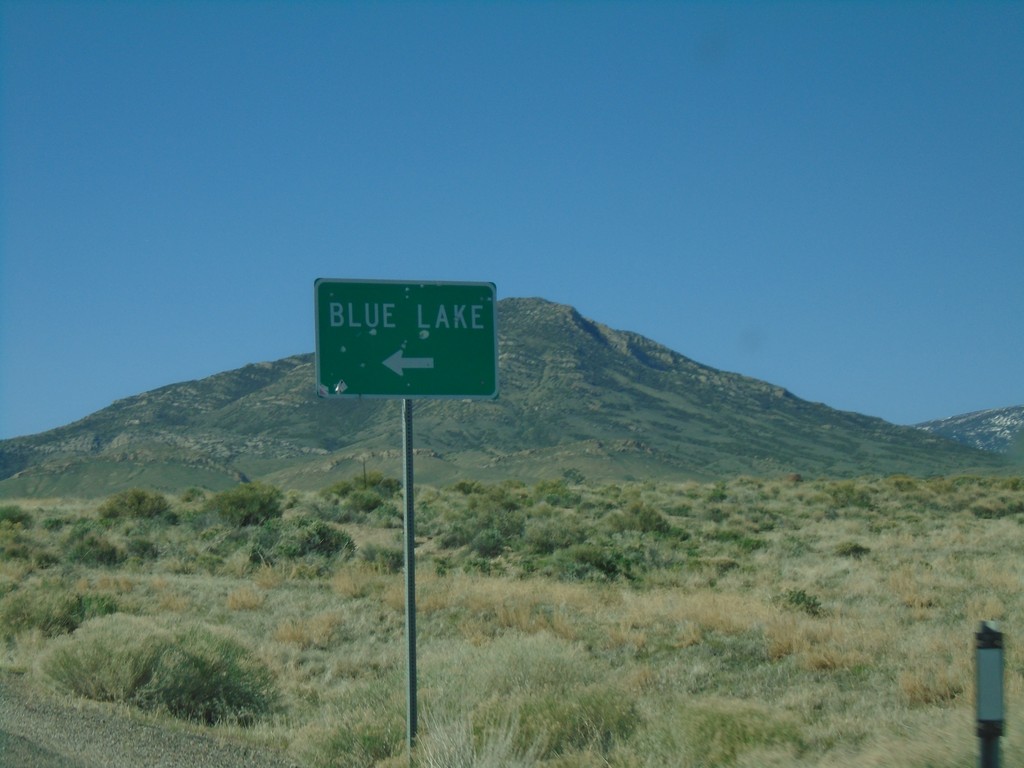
x=775, y=623
x=314, y=632
x=245, y=599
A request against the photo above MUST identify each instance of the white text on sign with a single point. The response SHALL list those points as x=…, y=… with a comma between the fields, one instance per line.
x=382, y=315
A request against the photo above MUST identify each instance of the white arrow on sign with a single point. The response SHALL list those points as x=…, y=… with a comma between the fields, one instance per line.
x=398, y=363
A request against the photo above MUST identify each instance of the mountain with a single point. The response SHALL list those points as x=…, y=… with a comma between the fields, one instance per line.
x=575, y=396
x=1000, y=430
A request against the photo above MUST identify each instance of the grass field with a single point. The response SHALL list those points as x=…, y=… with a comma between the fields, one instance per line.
x=750, y=622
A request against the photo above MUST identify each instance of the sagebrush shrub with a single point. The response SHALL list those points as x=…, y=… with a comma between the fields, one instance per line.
x=108, y=660
x=595, y=561
x=385, y=487
x=556, y=493
x=190, y=495
x=50, y=608
x=15, y=515
x=487, y=529
x=639, y=517
x=193, y=674
x=208, y=678
x=803, y=601
x=135, y=503
x=545, y=535
x=143, y=548
x=298, y=537
x=363, y=501
x=385, y=559
x=847, y=493
x=94, y=549
x=852, y=549
x=248, y=504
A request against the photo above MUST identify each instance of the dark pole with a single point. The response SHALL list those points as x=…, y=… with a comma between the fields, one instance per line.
x=410, y=576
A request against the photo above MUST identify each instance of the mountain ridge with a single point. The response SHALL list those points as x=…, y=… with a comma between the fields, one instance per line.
x=999, y=430
x=575, y=395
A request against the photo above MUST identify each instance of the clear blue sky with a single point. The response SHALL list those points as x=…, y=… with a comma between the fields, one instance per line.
x=826, y=196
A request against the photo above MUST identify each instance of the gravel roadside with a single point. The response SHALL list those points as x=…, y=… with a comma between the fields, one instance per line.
x=38, y=730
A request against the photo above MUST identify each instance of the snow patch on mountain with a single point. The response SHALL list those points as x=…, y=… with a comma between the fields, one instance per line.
x=998, y=430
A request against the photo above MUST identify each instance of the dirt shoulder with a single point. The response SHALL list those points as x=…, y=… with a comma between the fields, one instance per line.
x=39, y=730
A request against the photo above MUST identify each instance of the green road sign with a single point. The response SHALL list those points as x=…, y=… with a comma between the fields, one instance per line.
x=395, y=339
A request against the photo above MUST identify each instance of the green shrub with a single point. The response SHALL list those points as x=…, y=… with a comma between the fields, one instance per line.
x=135, y=503
x=193, y=674
x=385, y=559
x=248, y=504
x=219, y=542
x=573, y=476
x=208, y=678
x=307, y=536
x=852, y=549
x=190, y=495
x=51, y=609
x=738, y=539
x=298, y=537
x=340, y=489
x=466, y=487
x=495, y=531
x=556, y=493
x=94, y=549
x=1013, y=483
x=995, y=508
x=15, y=515
x=143, y=548
x=802, y=601
x=486, y=530
x=848, y=493
x=507, y=496
x=639, y=517
x=385, y=487
x=111, y=659
x=903, y=483
x=718, y=492
x=14, y=545
x=602, y=561
x=545, y=535
x=363, y=501
x=387, y=515
x=52, y=613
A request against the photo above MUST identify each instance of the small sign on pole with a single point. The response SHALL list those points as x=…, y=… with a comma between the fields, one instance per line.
x=989, y=691
x=406, y=340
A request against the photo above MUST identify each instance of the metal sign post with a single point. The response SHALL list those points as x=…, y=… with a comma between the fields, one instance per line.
x=410, y=576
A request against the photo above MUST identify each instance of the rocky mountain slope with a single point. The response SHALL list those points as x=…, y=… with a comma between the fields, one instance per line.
x=575, y=396
x=998, y=429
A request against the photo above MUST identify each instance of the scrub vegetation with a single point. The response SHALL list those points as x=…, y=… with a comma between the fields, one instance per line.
x=747, y=622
